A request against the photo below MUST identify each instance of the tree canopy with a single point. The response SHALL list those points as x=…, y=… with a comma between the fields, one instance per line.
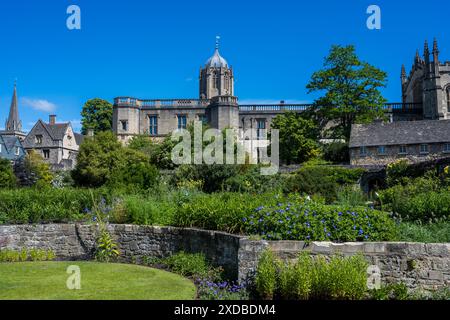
x=97, y=115
x=298, y=137
x=351, y=91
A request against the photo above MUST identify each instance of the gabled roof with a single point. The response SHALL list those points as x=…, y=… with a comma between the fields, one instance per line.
x=57, y=130
x=10, y=142
x=400, y=133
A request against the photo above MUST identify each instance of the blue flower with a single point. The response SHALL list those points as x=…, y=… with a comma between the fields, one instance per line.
x=354, y=227
x=260, y=208
x=322, y=221
x=308, y=237
x=261, y=220
x=366, y=237
x=340, y=214
x=244, y=219
x=360, y=232
x=328, y=234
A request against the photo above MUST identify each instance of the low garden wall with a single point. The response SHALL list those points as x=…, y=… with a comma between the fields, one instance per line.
x=416, y=264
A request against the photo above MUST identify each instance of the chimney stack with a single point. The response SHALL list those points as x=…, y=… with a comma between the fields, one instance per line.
x=52, y=119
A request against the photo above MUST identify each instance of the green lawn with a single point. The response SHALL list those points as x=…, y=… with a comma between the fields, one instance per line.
x=99, y=281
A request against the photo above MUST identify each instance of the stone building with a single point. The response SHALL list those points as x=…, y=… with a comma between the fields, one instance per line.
x=56, y=142
x=425, y=135
x=381, y=143
x=216, y=105
x=11, y=148
x=427, y=87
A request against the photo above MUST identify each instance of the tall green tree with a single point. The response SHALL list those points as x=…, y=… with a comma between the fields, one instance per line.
x=97, y=115
x=298, y=137
x=351, y=91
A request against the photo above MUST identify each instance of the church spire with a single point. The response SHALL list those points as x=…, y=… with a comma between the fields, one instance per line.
x=435, y=51
x=403, y=74
x=426, y=52
x=13, y=123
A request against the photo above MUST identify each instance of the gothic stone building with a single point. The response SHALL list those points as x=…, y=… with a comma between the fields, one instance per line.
x=426, y=99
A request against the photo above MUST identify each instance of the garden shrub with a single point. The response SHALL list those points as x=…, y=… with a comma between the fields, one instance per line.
x=341, y=278
x=336, y=152
x=322, y=180
x=188, y=264
x=266, y=275
x=7, y=177
x=437, y=232
x=220, y=211
x=32, y=205
x=301, y=219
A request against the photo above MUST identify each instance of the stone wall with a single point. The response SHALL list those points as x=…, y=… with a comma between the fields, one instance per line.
x=417, y=264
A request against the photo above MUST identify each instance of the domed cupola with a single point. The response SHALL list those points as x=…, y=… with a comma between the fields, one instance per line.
x=216, y=78
x=217, y=61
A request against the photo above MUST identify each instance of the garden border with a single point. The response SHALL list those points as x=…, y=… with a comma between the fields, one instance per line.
x=416, y=264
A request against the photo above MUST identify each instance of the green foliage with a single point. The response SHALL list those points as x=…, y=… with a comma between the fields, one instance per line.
x=351, y=195
x=190, y=265
x=299, y=219
x=437, y=232
x=295, y=280
x=159, y=153
x=298, y=137
x=30, y=205
x=230, y=178
x=340, y=278
x=417, y=201
x=106, y=248
x=266, y=276
x=37, y=170
x=351, y=90
x=103, y=160
x=321, y=180
x=394, y=291
x=221, y=211
x=397, y=173
x=7, y=177
x=97, y=115
x=336, y=152
x=7, y=255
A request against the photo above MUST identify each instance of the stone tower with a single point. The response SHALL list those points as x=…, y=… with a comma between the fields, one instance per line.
x=428, y=84
x=216, y=77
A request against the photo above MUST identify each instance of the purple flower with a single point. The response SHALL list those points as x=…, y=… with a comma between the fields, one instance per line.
x=340, y=214
x=328, y=234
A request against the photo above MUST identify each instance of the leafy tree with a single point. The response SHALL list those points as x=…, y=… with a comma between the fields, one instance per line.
x=103, y=160
x=37, y=170
x=298, y=137
x=7, y=177
x=160, y=153
x=351, y=89
x=96, y=114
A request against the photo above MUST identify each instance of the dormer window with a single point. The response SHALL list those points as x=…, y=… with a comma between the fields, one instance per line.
x=38, y=139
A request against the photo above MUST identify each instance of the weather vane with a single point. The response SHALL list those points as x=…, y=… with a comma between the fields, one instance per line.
x=217, y=42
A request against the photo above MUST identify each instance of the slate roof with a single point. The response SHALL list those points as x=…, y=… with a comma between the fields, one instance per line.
x=78, y=138
x=10, y=142
x=400, y=133
x=57, y=130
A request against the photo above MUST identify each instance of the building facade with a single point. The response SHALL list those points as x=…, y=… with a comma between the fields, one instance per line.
x=426, y=99
x=381, y=143
x=57, y=143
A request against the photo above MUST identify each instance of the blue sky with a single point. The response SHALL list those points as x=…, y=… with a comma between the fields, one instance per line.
x=154, y=49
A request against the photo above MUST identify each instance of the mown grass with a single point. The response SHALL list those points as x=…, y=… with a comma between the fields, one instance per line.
x=99, y=281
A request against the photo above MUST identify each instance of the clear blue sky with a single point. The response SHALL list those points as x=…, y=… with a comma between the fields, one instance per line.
x=154, y=49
